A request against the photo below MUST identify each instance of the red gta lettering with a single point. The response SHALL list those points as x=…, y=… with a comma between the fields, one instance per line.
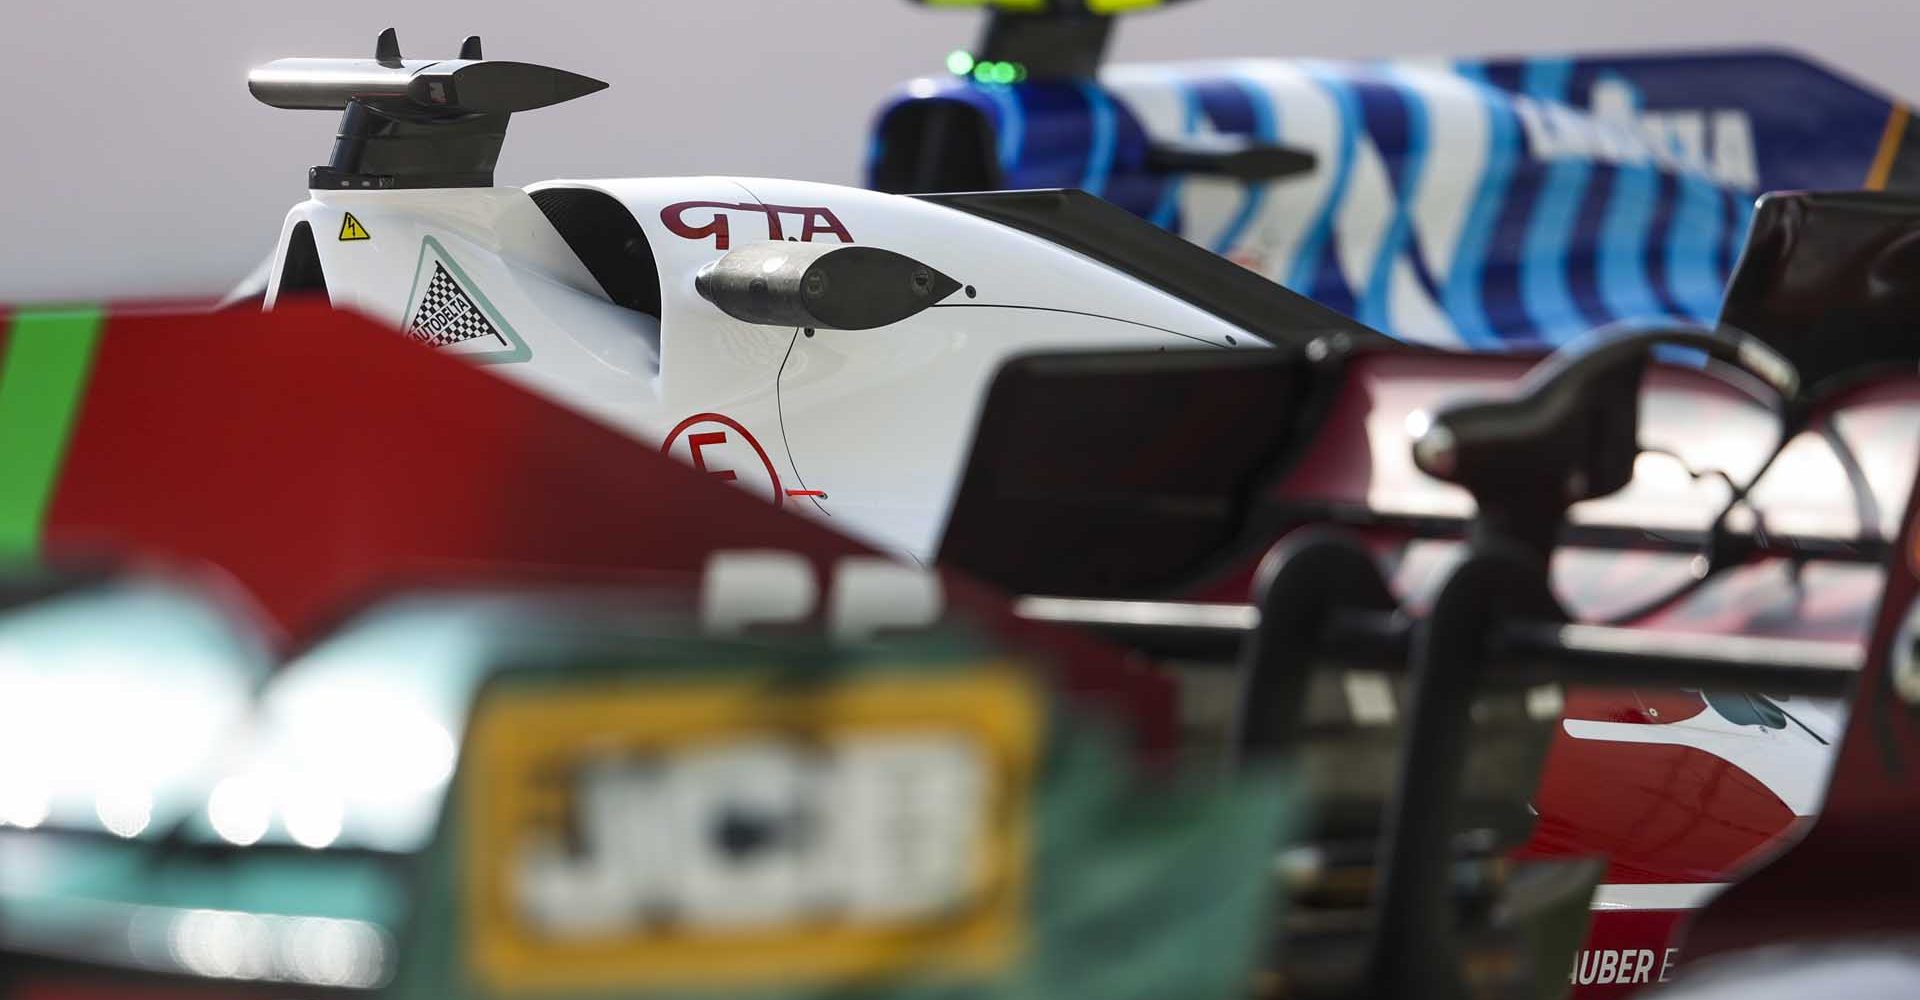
x=674, y=216
x=814, y=221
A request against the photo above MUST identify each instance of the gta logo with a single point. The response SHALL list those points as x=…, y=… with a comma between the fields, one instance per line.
x=699, y=220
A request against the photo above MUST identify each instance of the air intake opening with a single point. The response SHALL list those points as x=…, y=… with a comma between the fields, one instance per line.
x=935, y=146
x=607, y=239
x=301, y=274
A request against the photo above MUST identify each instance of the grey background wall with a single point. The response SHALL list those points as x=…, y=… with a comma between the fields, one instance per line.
x=134, y=163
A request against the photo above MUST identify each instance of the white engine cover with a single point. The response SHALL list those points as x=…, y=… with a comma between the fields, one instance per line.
x=869, y=428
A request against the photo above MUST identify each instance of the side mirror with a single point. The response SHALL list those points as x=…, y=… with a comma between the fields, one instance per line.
x=1229, y=156
x=827, y=286
x=1571, y=433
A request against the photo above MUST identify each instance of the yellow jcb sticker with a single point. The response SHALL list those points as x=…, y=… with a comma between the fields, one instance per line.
x=738, y=834
x=351, y=229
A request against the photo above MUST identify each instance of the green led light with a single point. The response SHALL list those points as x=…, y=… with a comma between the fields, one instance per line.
x=960, y=62
x=989, y=71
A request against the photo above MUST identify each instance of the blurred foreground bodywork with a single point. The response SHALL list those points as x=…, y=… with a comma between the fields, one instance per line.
x=923, y=816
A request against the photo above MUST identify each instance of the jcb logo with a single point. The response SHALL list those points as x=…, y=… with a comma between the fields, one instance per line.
x=760, y=833
x=705, y=826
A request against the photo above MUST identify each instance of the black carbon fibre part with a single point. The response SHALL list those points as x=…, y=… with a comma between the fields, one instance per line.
x=1098, y=229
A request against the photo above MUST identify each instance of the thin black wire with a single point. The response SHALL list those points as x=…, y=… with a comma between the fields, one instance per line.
x=1718, y=543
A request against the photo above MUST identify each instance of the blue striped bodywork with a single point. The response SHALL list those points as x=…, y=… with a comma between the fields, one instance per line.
x=1600, y=190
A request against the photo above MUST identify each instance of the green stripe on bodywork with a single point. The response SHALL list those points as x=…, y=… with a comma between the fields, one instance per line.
x=42, y=377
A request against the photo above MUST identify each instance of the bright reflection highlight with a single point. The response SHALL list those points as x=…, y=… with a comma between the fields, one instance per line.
x=240, y=810
x=23, y=803
x=115, y=703
x=124, y=811
x=226, y=944
x=222, y=944
x=363, y=737
x=313, y=818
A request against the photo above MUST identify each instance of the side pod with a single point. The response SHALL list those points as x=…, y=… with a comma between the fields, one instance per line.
x=827, y=287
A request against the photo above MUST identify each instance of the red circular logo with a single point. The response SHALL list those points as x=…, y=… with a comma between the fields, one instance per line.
x=719, y=446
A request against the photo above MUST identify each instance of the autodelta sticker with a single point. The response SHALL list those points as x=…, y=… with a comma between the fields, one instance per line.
x=727, y=834
x=447, y=310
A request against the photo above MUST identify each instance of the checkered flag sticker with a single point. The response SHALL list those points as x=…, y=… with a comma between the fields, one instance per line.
x=447, y=316
x=448, y=312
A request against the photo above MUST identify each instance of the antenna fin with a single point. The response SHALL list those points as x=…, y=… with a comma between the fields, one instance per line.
x=470, y=49
x=386, y=51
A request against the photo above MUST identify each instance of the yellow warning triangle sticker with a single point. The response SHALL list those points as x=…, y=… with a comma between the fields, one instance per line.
x=351, y=229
